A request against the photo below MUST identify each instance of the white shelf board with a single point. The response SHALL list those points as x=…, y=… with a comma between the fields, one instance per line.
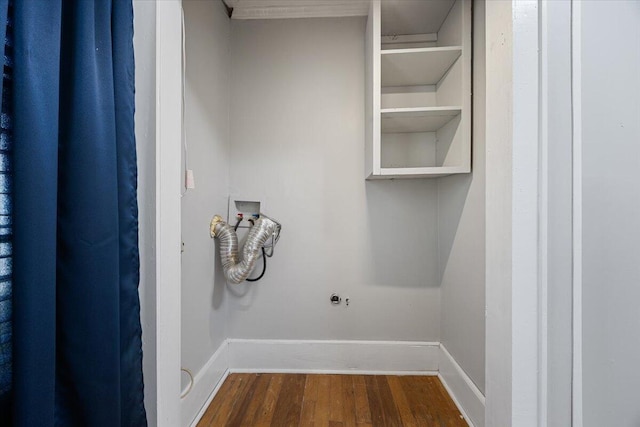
x=420, y=172
x=418, y=66
x=420, y=119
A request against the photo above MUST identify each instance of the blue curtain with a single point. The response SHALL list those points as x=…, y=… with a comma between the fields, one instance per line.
x=5, y=220
x=76, y=334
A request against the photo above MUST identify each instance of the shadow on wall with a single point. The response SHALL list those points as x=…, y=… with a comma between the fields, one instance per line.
x=452, y=196
x=403, y=232
x=219, y=281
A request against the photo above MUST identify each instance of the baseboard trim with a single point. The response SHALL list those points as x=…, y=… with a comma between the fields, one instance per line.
x=311, y=356
x=206, y=384
x=466, y=395
x=330, y=372
x=333, y=357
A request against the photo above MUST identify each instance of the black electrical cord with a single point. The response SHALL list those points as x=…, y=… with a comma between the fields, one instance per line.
x=264, y=267
x=237, y=224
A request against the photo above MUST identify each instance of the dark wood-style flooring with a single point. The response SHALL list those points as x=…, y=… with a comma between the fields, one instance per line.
x=283, y=400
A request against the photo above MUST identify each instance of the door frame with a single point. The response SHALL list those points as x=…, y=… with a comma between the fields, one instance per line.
x=168, y=209
x=515, y=305
x=517, y=219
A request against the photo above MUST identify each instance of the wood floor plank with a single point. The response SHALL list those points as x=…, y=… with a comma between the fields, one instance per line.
x=381, y=405
x=445, y=399
x=283, y=400
x=309, y=400
x=311, y=387
x=348, y=401
x=418, y=401
x=443, y=406
x=258, y=396
x=391, y=414
x=336, y=412
x=307, y=414
x=438, y=405
x=289, y=404
x=363, y=414
x=228, y=410
x=323, y=404
x=242, y=401
x=222, y=403
x=432, y=395
x=264, y=414
x=397, y=391
x=375, y=406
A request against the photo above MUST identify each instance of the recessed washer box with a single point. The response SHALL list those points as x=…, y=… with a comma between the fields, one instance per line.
x=246, y=204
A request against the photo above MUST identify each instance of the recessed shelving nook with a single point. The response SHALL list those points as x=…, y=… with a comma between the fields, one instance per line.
x=418, y=105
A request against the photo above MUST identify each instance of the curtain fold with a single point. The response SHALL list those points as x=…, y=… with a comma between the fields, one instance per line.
x=6, y=285
x=76, y=326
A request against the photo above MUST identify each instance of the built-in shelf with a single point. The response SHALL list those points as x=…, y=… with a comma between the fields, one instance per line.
x=429, y=119
x=420, y=172
x=417, y=67
x=418, y=92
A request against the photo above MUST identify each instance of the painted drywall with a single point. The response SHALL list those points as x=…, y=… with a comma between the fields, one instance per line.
x=525, y=199
x=297, y=142
x=145, y=129
x=207, y=135
x=461, y=237
x=556, y=147
x=499, y=163
x=168, y=177
x=610, y=126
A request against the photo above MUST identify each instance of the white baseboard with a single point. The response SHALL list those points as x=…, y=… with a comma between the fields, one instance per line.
x=341, y=357
x=205, y=386
x=309, y=356
x=466, y=395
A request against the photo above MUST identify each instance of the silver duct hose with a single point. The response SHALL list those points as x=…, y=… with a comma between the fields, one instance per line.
x=234, y=270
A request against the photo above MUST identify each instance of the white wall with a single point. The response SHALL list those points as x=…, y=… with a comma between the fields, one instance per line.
x=297, y=141
x=207, y=130
x=556, y=239
x=461, y=237
x=610, y=127
x=145, y=125
x=499, y=93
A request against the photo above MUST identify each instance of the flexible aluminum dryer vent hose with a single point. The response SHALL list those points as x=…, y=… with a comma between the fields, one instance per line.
x=234, y=270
